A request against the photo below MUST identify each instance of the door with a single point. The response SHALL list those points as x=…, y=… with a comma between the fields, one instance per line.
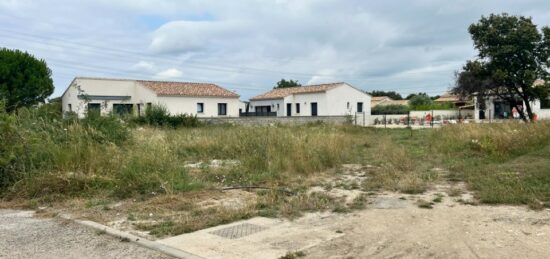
x=313, y=109
x=289, y=109
x=360, y=107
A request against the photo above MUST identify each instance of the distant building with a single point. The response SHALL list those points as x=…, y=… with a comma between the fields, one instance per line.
x=124, y=96
x=385, y=100
x=334, y=99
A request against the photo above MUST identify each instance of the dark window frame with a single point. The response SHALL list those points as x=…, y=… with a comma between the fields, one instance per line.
x=96, y=107
x=222, y=109
x=360, y=107
x=297, y=108
x=201, y=106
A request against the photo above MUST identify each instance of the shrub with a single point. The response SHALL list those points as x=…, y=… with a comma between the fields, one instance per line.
x=104, y=129
x=390, y=109
x=158, y=115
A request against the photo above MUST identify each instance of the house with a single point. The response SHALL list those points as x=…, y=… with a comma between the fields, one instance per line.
x=449, y=97
x=124, y=96
x=385, y=100
x=334, y=99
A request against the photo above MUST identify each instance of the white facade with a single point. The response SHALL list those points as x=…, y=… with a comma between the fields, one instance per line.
x=107, y=93
x=341, y=100
x=492, y=111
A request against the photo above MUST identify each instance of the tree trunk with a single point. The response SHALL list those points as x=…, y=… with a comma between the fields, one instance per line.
x=528, y=108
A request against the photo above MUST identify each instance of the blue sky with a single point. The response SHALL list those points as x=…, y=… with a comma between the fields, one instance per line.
x=248, y=45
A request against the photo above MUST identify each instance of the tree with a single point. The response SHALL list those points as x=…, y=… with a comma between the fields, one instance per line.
x=513, y=54
x=285, y=84
x=410, y=96
x=391, y=94
x=420, y=100
x=24, y=80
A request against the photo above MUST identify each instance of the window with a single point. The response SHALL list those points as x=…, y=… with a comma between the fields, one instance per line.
x=313, y=109
x=277, y=107
x=122, y=108
x=359, y=107
x=545, y=104
x=94, y=108
x=70, y=107
x=348, y=105
x=200, y=107
x=297, y=108
x=222, y=108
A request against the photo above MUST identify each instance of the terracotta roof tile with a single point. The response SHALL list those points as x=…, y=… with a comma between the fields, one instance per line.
x=187, y=89
x=283, y=92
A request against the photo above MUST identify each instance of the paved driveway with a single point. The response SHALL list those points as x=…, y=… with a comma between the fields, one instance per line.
x=22, y=236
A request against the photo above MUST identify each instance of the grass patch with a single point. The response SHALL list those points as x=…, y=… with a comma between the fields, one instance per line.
x=424, y=204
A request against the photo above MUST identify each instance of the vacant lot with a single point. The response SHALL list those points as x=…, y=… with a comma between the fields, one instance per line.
x=160, y=182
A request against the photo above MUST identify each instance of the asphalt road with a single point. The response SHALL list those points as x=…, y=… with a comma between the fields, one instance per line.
x=22, y=236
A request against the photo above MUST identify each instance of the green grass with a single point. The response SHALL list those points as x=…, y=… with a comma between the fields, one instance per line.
x=103, y=160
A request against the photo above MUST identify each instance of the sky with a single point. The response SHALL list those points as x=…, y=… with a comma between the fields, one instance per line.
x=248, y=45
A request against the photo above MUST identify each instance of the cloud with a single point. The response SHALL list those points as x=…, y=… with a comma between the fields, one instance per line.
x=248, y=45
x=171, y=73
x=143, y=66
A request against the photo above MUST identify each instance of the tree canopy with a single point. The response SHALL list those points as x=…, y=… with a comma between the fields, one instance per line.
x=421, y=99
x=391, y=94
x=513, y=54
x=24, y=80
x=287, y=83
x=410, y=96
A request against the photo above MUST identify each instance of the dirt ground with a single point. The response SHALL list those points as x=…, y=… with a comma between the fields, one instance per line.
x=395, y=228
x=444, y=222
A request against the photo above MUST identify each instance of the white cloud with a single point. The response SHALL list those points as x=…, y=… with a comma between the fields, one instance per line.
x=143, y=66
x=249, y=45
x=171, y=73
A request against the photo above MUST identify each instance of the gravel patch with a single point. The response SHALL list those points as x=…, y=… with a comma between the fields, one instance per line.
x=22, y=236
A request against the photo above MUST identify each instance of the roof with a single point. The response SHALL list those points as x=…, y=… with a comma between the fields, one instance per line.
x=380, y=98
x=284, y=92
x=385, y=100
x=187, y=89
x=448, y=97
x=167, y=88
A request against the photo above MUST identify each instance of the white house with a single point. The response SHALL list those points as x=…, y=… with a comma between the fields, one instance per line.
x=335, y=99
x=133, y=96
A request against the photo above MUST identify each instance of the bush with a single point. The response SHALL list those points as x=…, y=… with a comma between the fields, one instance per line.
x=104, y=129
x=390, y=109
x=158, y=115
x=10, y=148
x=435, y=106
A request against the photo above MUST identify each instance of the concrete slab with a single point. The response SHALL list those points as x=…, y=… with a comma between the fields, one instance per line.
x=254, y=238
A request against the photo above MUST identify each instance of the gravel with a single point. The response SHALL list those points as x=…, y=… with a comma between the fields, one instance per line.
x=22, y=236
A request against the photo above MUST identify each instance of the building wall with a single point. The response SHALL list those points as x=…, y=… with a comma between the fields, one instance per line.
x=139, y=96
x=338, y=99
x=103, y=87
x=333, y=102
x=298, y=120
x=188, y=105
x=276, y=105
x=305, y=101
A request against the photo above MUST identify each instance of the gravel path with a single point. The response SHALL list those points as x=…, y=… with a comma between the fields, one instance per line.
x=22, y=236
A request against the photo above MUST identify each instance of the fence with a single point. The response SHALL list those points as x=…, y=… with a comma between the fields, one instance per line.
x=421, y=119
x=257, y=114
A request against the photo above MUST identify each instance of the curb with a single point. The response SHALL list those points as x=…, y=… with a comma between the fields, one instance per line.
x=134, y=239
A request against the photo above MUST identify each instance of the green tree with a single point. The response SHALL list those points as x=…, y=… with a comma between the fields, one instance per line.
x=421, y=99
x=391, y=94
x=287, y=83
x=513, y=54
x=410, y=96
x=24, y=80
